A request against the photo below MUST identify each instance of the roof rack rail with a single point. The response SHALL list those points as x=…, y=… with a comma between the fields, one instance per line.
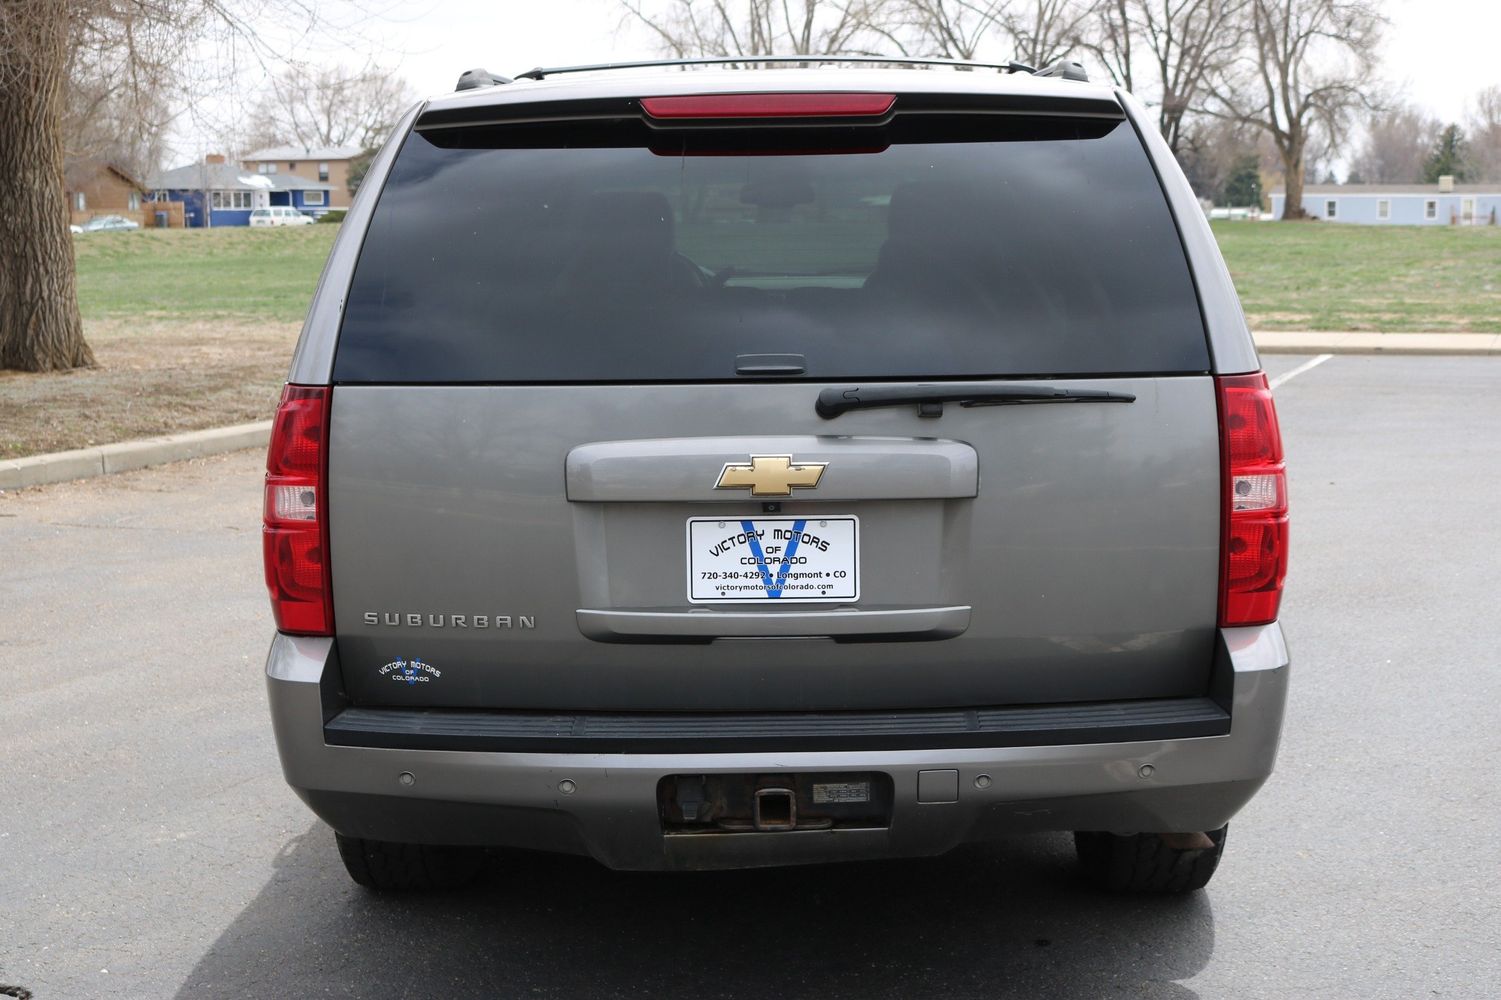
x=1010, y=67
x=473, y=79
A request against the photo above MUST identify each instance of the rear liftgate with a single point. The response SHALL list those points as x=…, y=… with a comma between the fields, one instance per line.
x=785, y=467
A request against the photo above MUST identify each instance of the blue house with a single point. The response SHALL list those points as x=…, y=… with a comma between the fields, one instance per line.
x=1441, y=204
x=216, y=193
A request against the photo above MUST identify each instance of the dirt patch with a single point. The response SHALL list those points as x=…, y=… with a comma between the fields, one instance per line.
x=154, y=377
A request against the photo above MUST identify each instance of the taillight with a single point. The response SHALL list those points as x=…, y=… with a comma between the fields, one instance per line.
x=1253, y=548
x=722, y=106
x=295, y=534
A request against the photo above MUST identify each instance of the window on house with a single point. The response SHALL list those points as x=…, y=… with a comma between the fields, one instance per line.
x=270, y=168
x=1467, y=209
x=1331, y=209
x=216, y=199
x=80, y=203
x=1383, y=209
x=1430, y=209
x=323, y=172
x=292, y=166
x=312, y=198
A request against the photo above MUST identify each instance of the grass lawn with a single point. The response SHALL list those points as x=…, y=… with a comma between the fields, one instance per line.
x=1327, y=276
x=1291, y=276
x=191, y=328
x=195, y=328
x=193, y=274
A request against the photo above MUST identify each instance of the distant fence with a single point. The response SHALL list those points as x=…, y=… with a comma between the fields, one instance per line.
x=1251, y=214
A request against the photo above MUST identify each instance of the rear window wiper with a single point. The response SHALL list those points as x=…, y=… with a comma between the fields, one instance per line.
x=930, y=398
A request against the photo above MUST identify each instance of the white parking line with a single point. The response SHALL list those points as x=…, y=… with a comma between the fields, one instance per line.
x=1305, y=366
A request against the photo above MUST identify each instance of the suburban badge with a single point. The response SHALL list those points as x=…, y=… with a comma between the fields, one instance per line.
x=770, y=475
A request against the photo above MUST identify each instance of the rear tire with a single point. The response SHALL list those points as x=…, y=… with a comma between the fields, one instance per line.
x=1147, y=862
x=387, y=867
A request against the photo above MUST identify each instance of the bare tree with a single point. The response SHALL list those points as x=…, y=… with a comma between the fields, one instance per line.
x=1484, y=130
x=329, y=106
x=1307, y=72
x=120, y=51
x=1035, y=32
x=130, y=61
x=1213, y=150
x=950, y=29
x=688, y=28
x=1170, y=50
x=1045, y=31
x=40, y=328
x=110, y=116
x=1396, y=145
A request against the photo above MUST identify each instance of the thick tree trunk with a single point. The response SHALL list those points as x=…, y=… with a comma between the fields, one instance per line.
x=1292, y=183
x=40, y=328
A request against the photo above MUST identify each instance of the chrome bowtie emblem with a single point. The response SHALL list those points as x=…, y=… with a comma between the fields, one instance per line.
x=770, y=475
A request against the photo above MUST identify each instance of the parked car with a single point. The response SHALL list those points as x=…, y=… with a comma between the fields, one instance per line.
x=768, y=494
x=103, y=223
x=278, y=215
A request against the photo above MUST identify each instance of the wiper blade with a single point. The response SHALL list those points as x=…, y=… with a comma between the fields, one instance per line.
x=930, y=398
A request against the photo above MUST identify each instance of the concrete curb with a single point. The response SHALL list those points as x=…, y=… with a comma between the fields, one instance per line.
x=64, y=465
x=1287, y=342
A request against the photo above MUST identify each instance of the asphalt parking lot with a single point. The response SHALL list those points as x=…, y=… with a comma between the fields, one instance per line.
x=149, y=849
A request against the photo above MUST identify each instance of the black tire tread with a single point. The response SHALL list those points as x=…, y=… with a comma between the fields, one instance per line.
x=387, y=866
x=1142, y=862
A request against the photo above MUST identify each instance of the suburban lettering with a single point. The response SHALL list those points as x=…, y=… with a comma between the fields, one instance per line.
x=435, y=619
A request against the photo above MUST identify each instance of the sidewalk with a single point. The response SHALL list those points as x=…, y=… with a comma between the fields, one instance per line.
x=60, y=466
x=1286, y=342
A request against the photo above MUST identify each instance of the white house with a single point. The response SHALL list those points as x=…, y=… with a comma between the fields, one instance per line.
x=1443, y=204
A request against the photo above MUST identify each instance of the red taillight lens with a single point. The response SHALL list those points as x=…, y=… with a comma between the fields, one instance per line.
x=769, y=106
x=295, y=536
x=1253, y=551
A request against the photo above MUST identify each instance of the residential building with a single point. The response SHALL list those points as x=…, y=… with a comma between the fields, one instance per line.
x=218, y=193
x=1443, y=204
x=96, y=187
x=324, y=164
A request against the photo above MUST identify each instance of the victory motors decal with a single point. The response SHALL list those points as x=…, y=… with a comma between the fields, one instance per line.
x=412, y=671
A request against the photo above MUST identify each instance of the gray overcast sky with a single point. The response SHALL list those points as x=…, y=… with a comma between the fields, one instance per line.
x=1438, y=53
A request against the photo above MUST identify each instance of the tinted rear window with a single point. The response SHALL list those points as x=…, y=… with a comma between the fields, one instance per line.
x=936, y=246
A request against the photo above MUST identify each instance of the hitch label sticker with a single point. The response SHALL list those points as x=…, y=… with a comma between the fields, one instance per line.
x=841, y=791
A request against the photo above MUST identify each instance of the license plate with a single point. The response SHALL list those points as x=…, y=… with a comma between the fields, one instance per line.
x=765, y=559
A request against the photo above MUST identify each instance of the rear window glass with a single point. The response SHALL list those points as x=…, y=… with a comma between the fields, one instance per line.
x=937, y=246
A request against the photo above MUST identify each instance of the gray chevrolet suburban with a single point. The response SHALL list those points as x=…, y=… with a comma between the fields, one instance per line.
x=722, y=467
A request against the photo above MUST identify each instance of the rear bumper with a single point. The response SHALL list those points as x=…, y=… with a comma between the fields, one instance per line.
x=504, y=798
